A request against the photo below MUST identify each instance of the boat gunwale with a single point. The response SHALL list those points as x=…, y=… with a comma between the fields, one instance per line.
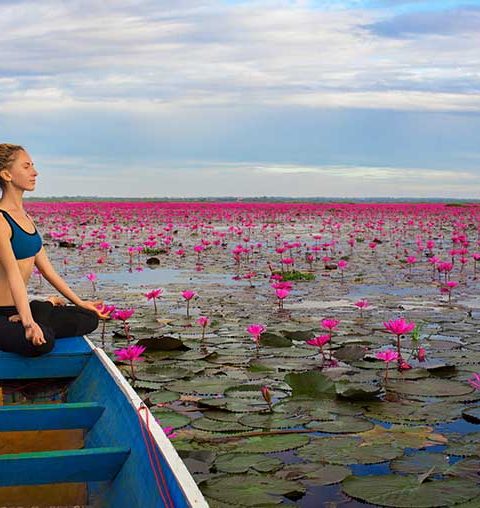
x=185, y=480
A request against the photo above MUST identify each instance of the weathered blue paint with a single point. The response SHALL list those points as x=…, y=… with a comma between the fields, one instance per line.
x=81, y=415
x=119, y=425
x=36, y=468
x=67, y=359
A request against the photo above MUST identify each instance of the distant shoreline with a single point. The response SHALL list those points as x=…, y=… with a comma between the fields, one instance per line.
x=262, y=199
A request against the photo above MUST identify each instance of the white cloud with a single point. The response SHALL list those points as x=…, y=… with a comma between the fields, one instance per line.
x=142, y=55
x=77, y=176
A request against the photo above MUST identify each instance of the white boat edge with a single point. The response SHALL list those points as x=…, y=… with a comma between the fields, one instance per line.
x=185, y=480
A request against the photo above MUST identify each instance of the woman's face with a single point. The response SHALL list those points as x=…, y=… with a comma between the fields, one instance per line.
x=22, y=171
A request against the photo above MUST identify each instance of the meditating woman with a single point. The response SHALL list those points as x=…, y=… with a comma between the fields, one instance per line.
x=30, y=328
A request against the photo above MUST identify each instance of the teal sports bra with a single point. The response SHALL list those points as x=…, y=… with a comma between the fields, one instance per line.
x=24, y=244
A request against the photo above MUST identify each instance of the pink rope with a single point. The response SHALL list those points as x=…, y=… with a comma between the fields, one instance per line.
x=155, y=462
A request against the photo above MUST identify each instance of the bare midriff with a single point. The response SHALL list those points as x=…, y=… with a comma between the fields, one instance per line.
x=26, y=268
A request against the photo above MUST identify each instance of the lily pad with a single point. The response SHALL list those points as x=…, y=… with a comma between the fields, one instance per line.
x=404, y=436
x=467, y=445
x=347, y=450
x=472, y=414
x=162, y=396
x=272, y=421
x=430, y=387
x=270, y=444
x=162, y=343
x=311, y=384
x=413, y=412
x=409, y=491
x=357, y=391
x=161, y=374
x=314, y=474
x=242, y=462
x=169, y=418
x=274, y=340
x=216, y=426
x=250, y=490
x=342, y=425
x=201, y=386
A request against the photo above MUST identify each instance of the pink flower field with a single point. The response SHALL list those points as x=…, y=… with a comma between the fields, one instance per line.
x=303, y=344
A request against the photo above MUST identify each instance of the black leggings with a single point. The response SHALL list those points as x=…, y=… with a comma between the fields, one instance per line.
x=56, y=322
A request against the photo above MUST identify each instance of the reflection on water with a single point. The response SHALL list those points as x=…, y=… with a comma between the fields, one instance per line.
x=159, y=276
x=366, y=290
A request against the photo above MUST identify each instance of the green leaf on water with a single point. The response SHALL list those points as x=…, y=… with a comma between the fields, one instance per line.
x=242, y=462
x=168, y=418
x=430, y=387
x=314, y=474
x=347, y=450
x=250, y=490
x=311, y=384
x=217, y=426
x=342, y=425
x=406, y=491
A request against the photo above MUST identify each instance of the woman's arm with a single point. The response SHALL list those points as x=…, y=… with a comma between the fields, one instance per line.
x=48, y=271
x=13, y=275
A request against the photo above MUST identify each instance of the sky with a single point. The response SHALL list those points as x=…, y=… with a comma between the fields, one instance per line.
x=247, y=98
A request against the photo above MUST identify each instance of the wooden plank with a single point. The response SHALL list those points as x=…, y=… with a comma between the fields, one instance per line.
x=58, y=494
x=81, y=415
x=85, y=465
x=40, y=440
x=67, y=359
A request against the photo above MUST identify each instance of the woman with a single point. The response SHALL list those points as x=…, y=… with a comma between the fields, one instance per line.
x=30, y=328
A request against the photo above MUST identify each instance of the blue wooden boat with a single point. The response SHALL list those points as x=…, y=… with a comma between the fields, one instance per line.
x=96, y=445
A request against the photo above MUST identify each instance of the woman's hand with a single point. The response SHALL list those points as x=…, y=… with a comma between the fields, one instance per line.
x=95, y=306
x=35, y=334
x=32, y=332
x=56, y=300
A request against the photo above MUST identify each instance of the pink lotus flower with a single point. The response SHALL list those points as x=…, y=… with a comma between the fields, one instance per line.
x=267, y=396
x=474, y=381
x=168, y=431
x=203, y=322
x=342, y=264
x=404, y=365
x=255, y=330
x=188, y=295
x=130, y=354
x=329, y=324
x=123, y=315
x=448, y=287
x=154, y=294
x=399, y=326
x=421, y=354
x=362, y=304
x=387, y=356
x=319, y=340
x=281, y=295
x=92, y=277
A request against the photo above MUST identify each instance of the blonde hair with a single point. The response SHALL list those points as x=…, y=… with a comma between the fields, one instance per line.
x=8, y=154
